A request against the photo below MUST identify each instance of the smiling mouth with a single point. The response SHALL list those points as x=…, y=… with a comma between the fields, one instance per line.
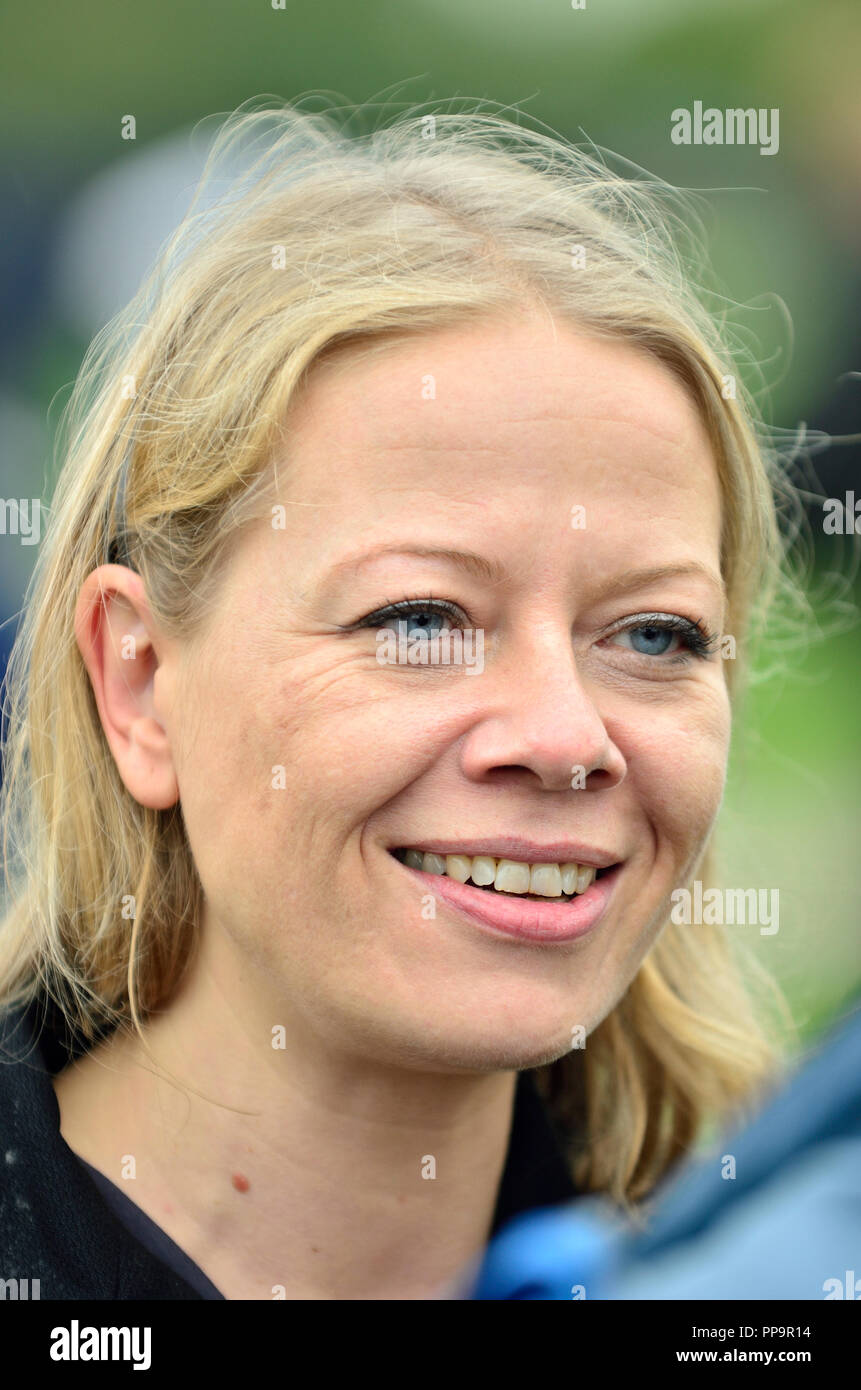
x=539, y=882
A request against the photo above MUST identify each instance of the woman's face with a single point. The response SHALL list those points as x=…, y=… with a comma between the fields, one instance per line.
x=577, y=475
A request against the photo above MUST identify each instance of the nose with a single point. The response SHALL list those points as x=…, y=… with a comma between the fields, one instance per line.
x=539, y=721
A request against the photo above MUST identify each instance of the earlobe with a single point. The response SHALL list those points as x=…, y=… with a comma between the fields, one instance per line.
x=118, y=642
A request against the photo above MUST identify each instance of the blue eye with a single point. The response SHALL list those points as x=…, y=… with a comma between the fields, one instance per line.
x=414, y=615
x=650, y=641
x=651, y=635
x=426, y=620
x=660, y=634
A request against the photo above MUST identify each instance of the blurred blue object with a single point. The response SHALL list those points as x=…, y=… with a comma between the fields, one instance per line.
x=786, y=1225
x=561, y=1252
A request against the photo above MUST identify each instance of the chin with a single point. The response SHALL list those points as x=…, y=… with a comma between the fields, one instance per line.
x=485, y=1056
x=469, y=1044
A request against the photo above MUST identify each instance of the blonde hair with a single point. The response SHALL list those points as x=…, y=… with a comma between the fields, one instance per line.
x=322, y=240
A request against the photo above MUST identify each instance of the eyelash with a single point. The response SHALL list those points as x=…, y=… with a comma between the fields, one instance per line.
x=408, y=605
x=699, y=640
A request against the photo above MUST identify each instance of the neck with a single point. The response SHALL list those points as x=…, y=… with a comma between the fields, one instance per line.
x=282, y=1162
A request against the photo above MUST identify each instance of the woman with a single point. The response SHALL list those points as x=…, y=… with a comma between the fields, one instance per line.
x=337, y=957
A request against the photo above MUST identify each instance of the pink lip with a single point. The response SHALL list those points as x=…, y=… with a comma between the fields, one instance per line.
x=521, y=917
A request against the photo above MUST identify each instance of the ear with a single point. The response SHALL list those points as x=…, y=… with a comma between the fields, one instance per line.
x=121, y=647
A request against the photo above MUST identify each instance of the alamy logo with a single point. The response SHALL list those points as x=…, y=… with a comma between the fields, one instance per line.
x=76, y=1343
x=842, y=518
x=717, y=907
x=735, y=126
x=19, y=1288
x=450, y=647
x=848, y=1287
x=21, y=516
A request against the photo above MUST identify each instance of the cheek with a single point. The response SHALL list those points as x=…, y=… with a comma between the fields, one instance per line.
x=351, y=740
x=223, y=761
x=679, y=759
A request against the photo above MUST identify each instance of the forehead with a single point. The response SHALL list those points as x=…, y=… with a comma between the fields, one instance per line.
x=487, y=385
x=483, y=437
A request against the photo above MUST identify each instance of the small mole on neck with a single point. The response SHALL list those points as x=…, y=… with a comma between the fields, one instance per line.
x=240, y=1182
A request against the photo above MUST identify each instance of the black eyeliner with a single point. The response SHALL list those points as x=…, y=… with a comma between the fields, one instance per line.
x=407, y=605
x=700, y=642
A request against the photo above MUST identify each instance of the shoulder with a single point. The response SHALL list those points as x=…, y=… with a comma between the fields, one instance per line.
x=42, y=1195
x=55, y=1227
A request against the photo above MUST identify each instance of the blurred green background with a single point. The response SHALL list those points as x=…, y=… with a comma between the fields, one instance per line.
x=783, y=236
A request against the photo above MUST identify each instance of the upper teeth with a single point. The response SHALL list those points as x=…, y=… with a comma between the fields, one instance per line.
x=506, y=875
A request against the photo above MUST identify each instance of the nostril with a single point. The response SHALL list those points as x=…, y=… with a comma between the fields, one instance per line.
x=600, y=779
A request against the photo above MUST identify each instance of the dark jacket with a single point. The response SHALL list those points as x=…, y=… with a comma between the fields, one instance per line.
x=67, y=1226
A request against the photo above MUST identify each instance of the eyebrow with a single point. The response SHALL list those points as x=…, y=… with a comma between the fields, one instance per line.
x=651, y=574
x=467, y=560
x=495, y=573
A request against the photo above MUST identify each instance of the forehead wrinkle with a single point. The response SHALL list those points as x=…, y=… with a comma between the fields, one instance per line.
x=429, y=445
